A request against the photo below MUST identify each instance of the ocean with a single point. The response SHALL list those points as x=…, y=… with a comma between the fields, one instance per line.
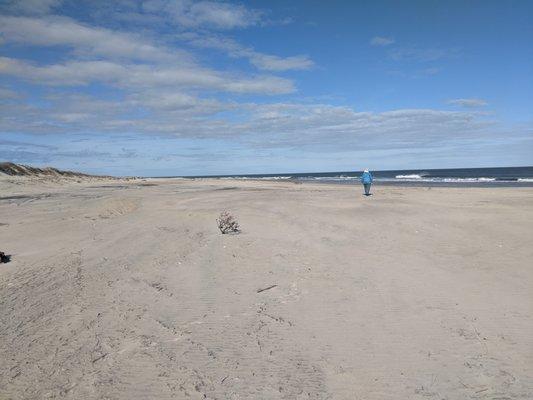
x=491, y=177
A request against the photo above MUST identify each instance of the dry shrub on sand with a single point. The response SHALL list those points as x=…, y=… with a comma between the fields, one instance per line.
x=227, y=223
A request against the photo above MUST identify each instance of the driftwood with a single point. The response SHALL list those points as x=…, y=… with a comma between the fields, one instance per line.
x=267, y=288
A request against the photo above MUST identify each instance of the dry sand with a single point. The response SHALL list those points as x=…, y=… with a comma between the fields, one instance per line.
x=126, y=290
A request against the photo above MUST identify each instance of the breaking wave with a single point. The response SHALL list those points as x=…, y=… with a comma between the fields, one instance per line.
x=412, y=176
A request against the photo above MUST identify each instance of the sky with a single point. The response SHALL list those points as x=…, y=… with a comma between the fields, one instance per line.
x=181, y=87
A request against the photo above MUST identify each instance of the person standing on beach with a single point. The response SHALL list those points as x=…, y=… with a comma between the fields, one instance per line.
x=366, y=180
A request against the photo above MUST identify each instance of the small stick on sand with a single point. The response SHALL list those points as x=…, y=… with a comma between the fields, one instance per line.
x=267, y=288
x=99, y=357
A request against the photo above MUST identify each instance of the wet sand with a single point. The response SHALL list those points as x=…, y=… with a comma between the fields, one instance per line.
x=127, y=290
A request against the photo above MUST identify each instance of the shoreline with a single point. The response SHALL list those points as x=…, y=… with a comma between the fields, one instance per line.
x=494, y=184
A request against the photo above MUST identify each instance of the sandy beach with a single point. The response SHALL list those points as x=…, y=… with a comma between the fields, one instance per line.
x=127, y=290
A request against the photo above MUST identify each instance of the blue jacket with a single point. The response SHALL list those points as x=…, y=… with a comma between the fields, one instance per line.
x=366, y=178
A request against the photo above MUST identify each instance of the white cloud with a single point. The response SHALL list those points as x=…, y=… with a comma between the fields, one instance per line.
x=206, y=14
x=95, y=41
x=322, y=126
x=8, y=94
x=29, y=6
x=262, y=61
x=315, y=127
x=118, y=55
x=468, y=102
x=381, y=41
x=135, y=76
x=275, y=63
x=71, y=73
x=176, y=102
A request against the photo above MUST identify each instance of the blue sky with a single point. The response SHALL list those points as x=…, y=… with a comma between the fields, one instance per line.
x=178, y=87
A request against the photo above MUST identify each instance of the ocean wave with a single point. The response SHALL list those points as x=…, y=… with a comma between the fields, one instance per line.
x=263, y=178
x=415, y=178
x=418, y=178
x=469, y=180
x=328, y=178
x=412, y=176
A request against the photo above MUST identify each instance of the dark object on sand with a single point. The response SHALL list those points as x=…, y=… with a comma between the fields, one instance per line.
x=227, y=223
x=4, y=258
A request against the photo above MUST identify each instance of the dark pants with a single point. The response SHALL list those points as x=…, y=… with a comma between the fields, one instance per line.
x=367, y=188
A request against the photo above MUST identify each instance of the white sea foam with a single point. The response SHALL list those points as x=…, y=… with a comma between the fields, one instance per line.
x=264, y=178
x=329, y=178
x=398, y=178
x=274, y=177
x=402, y=178
x=418, y=178
x=473, y=180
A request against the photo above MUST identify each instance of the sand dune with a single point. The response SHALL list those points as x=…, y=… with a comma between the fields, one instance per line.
x=126, y=290
x=13, y=169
